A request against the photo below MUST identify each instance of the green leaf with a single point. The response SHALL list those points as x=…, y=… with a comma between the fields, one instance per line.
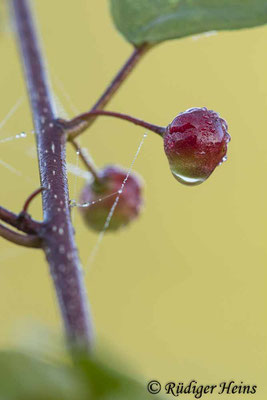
x=24, y=377
x=153, y=21
x=29, y=377
x=106, y=383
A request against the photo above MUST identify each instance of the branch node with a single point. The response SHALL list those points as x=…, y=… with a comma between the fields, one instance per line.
x=70, y=129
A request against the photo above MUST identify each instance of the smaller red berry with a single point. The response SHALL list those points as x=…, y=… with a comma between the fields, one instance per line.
x=195, y=144
x=100, y=196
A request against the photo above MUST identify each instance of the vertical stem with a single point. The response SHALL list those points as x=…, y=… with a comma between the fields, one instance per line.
x=57, y=232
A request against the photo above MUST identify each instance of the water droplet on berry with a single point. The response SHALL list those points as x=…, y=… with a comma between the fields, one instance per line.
x=187, y=180
x=223, y=160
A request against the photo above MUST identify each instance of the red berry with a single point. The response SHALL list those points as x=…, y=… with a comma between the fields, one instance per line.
x=101, y=196
x=195, y=144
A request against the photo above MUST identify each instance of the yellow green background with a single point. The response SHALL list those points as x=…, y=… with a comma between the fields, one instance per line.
x=181, y=293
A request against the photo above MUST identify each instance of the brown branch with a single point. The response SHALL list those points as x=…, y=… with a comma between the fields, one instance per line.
x=123, y=73
x=57, y=231
x=77, y=125
x=22, y=240
x=116, y=83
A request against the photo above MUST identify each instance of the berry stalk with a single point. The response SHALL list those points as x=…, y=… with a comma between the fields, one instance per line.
x=77, y=125
x=30, y=199
x=85, y=159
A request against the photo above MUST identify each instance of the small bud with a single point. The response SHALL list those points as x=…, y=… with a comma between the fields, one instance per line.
x=101, y=195
x=195, y=144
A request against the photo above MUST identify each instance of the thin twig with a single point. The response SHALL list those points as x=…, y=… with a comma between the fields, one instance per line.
x=30, y=199
x=116, y=83
x=22, y=240
x=73, y=126
x=87, y=162
x=120, y=77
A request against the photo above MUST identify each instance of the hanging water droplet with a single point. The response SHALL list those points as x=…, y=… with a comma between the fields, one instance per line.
x=223, y=160
x=187, y=180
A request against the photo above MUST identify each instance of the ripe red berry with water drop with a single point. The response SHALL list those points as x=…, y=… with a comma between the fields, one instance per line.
x=195, y=144
x=98, y=198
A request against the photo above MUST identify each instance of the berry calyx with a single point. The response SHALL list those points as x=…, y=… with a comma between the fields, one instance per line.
x=99, y=197
x=195, y=144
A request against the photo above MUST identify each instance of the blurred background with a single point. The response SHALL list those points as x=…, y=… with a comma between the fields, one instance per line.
x=181, y=293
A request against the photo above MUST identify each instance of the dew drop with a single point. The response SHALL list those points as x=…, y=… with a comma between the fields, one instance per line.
x=223, y=160
x=21, y=135
x=187, y=180
x=83, y=205
x=72, y=203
